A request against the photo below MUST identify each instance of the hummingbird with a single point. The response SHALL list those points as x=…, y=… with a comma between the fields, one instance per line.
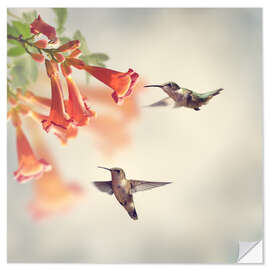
x=123, y=188
x=182, y=97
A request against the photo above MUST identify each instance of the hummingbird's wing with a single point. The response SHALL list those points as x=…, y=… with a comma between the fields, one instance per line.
x=104, y=186
x=138, y=185
x=163, y=102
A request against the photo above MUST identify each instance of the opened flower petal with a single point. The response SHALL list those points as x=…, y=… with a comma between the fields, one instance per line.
x=121, y=83
x=29, y=166
x=61, y=133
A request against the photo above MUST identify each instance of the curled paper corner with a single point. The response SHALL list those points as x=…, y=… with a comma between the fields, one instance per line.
x=250, y=252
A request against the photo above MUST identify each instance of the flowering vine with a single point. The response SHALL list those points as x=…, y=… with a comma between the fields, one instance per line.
x=46, y=45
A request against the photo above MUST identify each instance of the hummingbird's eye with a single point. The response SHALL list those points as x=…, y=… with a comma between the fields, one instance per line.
x=118, y=171
x=174, y=86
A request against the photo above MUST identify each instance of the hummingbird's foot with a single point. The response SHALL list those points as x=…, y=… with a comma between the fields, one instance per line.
x=196, y=109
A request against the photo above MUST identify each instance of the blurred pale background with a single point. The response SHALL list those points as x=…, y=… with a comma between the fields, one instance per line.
x=213, y=157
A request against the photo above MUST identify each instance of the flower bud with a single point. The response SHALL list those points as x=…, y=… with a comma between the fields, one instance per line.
x=71, y=45
x=59, y=57
x=77, y=63
x=12, y=101
x=75, y=53
x=38, y=57
x=42, y=43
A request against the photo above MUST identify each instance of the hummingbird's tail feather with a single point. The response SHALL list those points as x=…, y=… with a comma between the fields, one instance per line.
x=208, y=95
x=133, y=214
x=216, y=92
x=130, y=207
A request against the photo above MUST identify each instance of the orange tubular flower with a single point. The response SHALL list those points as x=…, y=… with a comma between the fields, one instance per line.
x=62, y=134
x=39, y=26
x=76, y=106
x=15, y=118
x=58, y=117
x=121, y=83
x=23, y=109
x=66, y=69
x=111, y=134
x=29, y=166
x=112, y=128
x=53, y=196
x=32, y=98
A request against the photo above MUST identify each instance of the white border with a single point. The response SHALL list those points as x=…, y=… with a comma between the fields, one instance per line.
x=136, y=3
x=124, y=3
x=3, y=138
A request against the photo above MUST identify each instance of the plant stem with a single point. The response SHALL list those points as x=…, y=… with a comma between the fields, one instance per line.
x=25, y=42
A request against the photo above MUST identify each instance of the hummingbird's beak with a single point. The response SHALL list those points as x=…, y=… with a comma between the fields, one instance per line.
x=104, y=168
x=153, y=85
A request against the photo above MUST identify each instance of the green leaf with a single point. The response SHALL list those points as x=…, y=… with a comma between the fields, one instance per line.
x=18, y=74
x=12, y=41
x=99, y=64
x=22, y=28
x=98, y=57
x=33, y=69
x=23, y=72
x=61, y=15
x=16, y=51
x=11, y=30
x=30, y=16
x=84, y=48
x=85, y=58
